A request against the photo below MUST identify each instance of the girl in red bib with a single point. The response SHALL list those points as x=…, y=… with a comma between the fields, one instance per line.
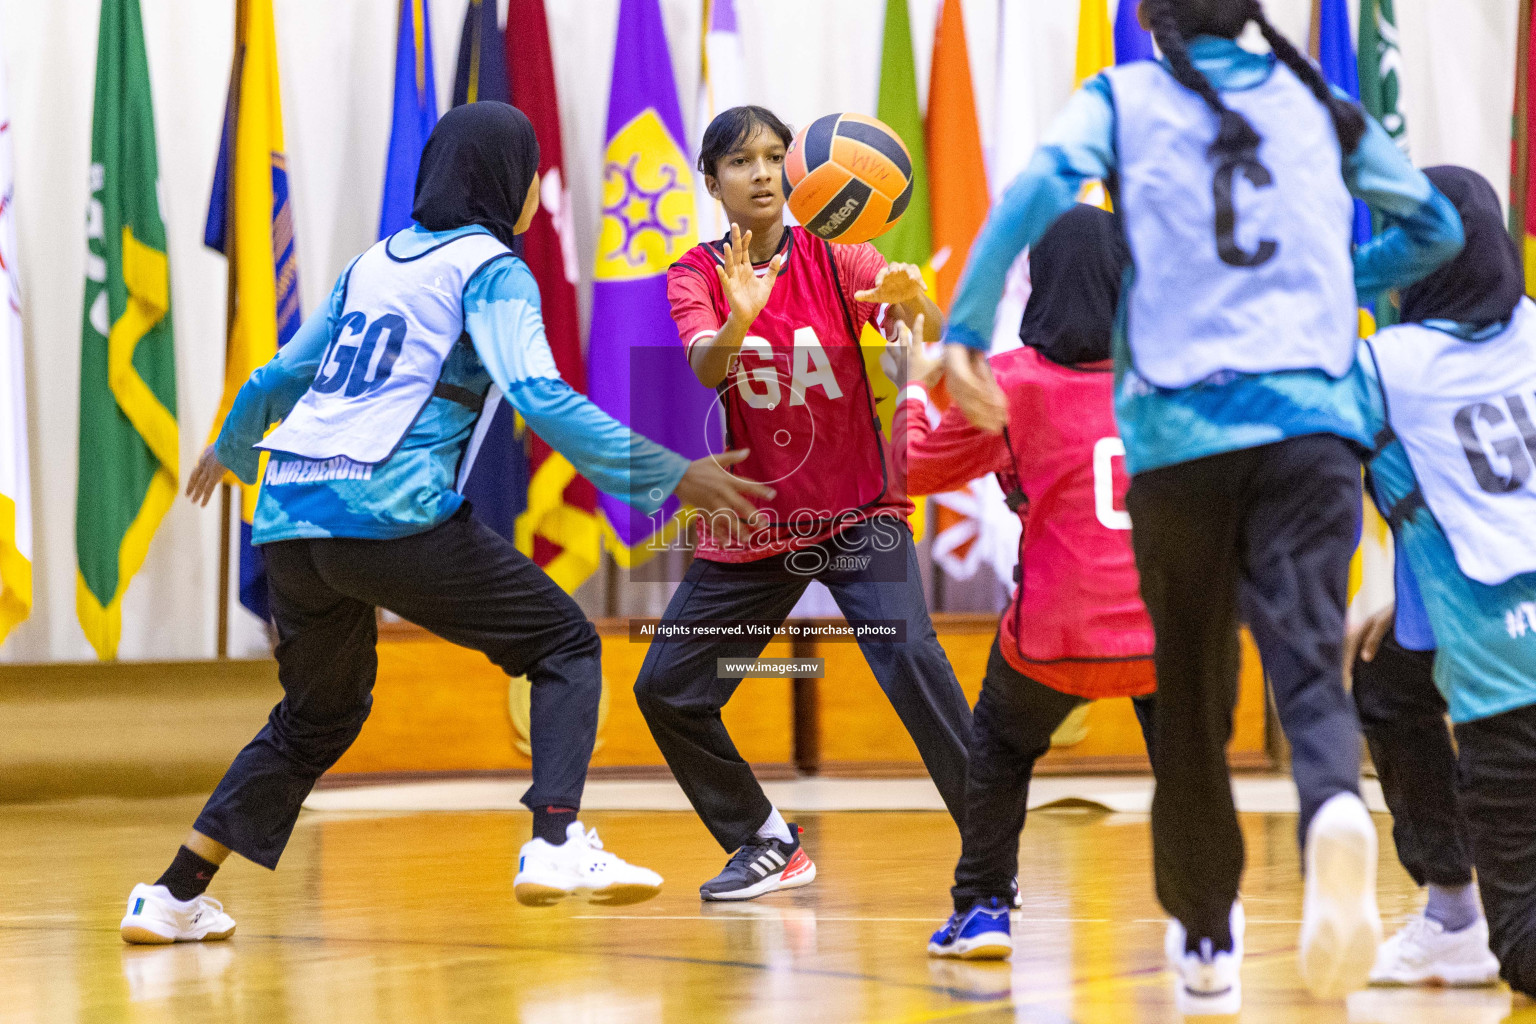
x=1076, y=630
x=771, y=318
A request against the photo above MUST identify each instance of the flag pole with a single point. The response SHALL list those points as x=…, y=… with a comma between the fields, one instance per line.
x=224, y=526
x=1520, y=179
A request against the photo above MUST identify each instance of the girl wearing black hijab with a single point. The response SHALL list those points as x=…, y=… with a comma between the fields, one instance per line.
x=1076, y=629
x=378, y=394
x=1451, y=395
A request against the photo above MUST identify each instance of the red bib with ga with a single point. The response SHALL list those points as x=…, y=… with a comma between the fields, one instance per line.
x=797, y=394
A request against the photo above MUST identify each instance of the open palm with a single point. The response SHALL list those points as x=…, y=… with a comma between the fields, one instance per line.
x=745, y=292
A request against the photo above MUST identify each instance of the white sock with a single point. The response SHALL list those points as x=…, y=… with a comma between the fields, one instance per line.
x=775, y=828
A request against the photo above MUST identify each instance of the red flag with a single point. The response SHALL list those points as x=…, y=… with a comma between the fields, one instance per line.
x=560, y=523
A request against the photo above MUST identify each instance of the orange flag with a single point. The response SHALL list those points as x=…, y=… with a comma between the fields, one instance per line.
x=957, y=170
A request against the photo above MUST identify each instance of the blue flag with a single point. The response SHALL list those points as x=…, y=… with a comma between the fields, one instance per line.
x=415, y=115
x=1336, y=56
x=482, y=70
x=1132, y=42
x=638, y=370
x=496, y=484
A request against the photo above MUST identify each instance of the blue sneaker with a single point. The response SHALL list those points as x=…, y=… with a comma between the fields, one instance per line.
x=980, y=933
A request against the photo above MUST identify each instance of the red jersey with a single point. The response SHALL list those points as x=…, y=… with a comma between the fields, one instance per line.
x=798, y=393
x=1076, y=622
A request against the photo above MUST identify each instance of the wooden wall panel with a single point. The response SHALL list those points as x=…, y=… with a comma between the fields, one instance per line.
x=861, y=735
x=442, y=708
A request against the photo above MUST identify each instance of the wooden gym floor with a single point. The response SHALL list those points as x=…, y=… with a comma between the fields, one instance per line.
x=409, y=918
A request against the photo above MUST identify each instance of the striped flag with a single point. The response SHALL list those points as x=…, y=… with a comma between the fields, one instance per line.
x=722, y=85
x=15, y=476
x=559, y=529
x=641, y=375
x=128, y=430
x=251, y=222
x=482, y=66
x=415, y=114
x=494, y=473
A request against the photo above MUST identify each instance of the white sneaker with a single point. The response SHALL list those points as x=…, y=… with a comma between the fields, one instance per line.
x=1340, y=927
x=156, y=918
x=547, y=874
x=1208, y=983
x=1424, y=953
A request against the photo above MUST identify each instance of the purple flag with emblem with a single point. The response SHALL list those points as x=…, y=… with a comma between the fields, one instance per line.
x=638, y=372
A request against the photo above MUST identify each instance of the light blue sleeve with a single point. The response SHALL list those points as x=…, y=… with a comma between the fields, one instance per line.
x=1079, y=147
x=1423, y=229
x=503, y=319
x=275, y=388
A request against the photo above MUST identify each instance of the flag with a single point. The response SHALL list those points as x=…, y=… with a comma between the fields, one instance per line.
x=1334, y=50
x=251, y=222
x=1381, y=84
x=482, y=66
x=15, y=476
x=911, y=240
x=649, y=221
x=959, y=201
x=495, y=469
x=956, y=166
x=415, y=114
x=559, y=528
x=128, y=431
x=722, y=85
x=1132, y=42
x=1095, y=41
x=1522, y=203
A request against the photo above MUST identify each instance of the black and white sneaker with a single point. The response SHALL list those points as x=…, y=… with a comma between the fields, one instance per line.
x=761, y=866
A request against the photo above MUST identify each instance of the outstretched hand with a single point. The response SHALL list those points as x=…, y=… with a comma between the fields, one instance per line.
x=709, y=486
x=897, y=283
x=205, y=476
x=745, y=292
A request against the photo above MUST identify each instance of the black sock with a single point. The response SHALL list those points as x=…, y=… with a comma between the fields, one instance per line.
x=188, y=876
x=550, y=823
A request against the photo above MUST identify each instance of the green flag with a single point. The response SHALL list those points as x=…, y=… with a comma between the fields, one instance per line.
x=1381, y=94
x=911, y=240
x=128, y=437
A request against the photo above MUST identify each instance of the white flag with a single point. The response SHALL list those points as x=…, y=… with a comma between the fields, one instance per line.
x=15, y=479
x=722, y=85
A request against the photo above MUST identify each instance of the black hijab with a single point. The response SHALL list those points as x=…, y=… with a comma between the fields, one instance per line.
x=1485, y=281
x=1075, y=273
x=476, y=168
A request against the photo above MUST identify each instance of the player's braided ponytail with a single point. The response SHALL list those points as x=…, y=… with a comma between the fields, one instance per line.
x=1348, y=121
x=1235, y=138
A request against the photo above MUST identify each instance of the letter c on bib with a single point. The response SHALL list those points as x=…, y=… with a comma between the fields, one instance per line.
x=1227, y=248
